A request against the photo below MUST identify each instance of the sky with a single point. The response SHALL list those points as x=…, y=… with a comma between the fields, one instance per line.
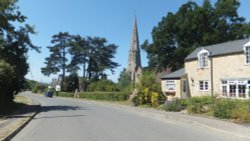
x=111, y=19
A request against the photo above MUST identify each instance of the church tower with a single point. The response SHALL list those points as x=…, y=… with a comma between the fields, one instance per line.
x=134, y=62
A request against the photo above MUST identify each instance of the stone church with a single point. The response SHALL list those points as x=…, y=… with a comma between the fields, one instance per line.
x=134, y=61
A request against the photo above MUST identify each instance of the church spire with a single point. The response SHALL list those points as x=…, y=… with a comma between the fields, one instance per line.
x=134, y=64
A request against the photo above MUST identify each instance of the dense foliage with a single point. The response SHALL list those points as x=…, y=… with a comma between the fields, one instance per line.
x=109, y=96
x=94, y=54
x=237, y=110
x=192, y=26
x=29, y=84
x=57, y=60
x=102, y=85
x=39, y=88
x=124, y=81
x=6, y=80
x=14, y=45
x=71, y=83
x=149, y=91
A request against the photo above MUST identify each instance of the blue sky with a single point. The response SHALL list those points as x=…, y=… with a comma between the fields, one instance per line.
x=112, y=19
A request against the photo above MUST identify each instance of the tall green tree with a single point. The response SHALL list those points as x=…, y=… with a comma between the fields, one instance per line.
x=71, y=83
x=192, y=26
x=7, y=77
x=94, y=54
x=124, y=80
x=57, y=60
x=80, y=54
x=100, y=58
x=14, y=44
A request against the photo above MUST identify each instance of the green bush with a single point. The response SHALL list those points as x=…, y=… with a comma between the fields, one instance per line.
x=124, y=81
x=184, y=102
x=70, y=83
x=154, y=99
x=7, y=78
x=223, y=108
x=149, y=91
x=103, y=85
x=138, y=100
x=199, y=105
x=39, y=88
x=65, y=94
x=109, y=96
x=241, y=111
x=173, y=106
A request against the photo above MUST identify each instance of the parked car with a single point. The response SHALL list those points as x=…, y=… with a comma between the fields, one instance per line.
x=49, y=94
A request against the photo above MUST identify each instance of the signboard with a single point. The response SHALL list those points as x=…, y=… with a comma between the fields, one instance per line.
x=58, y=88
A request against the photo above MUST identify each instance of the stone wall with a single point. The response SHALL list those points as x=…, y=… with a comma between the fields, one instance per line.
x=229, y=66
x=195, y=75
x=171, y=94
x=224, y=67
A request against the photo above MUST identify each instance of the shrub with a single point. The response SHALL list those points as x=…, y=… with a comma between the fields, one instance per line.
x=109, y=96
x=138, y=100
x=184, y=102
x=241, y=111
x=6, y=83
x=103, y=85
x=70, y=83
x=199, y=105
x=65, y=94
x=173, y=106
x=223, y=108
x=154, y=99
x=124, y=80
x=39, y=88
x=149, y=92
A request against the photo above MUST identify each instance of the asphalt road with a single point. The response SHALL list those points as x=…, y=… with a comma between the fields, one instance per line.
x=64, y=119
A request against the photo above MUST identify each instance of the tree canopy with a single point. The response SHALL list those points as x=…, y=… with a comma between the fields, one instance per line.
x=192, y=26
x=14, y=45
x=57, y=60
x=94, y=54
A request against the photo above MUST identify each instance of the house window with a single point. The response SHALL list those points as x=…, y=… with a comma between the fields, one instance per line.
x=184, y=88
x=232, y=90
x=242, y=91
x=224, y=90
x=203, y=59
x=170, y=85
x=235, y=89
x=247, y=53
x=203, y=85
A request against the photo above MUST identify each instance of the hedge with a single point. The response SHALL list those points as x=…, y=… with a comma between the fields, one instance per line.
x=109, y=96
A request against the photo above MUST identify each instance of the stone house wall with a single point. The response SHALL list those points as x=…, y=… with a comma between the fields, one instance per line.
x=223, y=67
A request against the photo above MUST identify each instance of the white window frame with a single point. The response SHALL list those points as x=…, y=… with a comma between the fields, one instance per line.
x=237, y=84
x=203, y=85
x=246, y=48
x=169, y=83
x=203, y=61
x=247, y=54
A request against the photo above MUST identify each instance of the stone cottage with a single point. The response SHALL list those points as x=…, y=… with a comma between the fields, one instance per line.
x=221, y=70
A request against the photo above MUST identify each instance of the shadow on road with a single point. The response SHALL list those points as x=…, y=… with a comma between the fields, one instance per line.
x=62, y=108
x=22, y=112
x=70, y=116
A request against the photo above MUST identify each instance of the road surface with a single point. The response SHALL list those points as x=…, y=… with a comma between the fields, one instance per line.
x=64, y=119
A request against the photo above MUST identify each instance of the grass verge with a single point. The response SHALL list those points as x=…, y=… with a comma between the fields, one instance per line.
x=19, y=102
